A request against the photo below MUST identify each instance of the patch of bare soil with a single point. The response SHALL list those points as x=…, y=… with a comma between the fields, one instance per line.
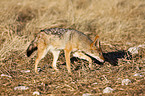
x=118, y=66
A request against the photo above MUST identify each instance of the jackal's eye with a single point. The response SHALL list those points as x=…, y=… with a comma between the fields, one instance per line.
x=100, y=53
x=95, y=49
x=99, y=49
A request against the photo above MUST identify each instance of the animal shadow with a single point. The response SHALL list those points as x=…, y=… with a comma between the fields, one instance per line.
x=112, y=57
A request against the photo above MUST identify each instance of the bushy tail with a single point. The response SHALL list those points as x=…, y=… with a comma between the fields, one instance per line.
x=32, y=47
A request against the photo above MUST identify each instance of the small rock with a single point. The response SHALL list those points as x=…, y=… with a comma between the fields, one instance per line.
x=128, y=43
x=36, y=93
x=3, y=75
x=108, y=90
x=137, y=74
x=21, y=88
x=142, y=46
x=119, y=79
x=39, y=69
x=86, y=94
x=95, y=83
x=133, y=50
x=125, y=81
x=25, y=71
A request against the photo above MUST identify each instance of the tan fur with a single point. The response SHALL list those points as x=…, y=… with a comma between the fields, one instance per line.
x=71, y=41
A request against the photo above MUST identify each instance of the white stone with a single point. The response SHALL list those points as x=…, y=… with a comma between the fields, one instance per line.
x=108, y=90
x=128, y=43
x=36, y=93
x=95, y=83
x=86, y=94
x=21, y=88
x=25, y=71
x=3, y=75
x=142, y=46
x=138, y=74
x=133, y=50
x=38, y=69
x=125, y=81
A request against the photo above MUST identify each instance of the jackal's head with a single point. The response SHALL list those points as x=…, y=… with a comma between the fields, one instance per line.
x=96, y=50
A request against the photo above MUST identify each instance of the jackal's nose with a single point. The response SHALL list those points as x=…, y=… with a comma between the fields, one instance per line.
x=102, y=59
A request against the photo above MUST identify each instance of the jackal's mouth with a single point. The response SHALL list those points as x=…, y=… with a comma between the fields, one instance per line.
x=100, y=59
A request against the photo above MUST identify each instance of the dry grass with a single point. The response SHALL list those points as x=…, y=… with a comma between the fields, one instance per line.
x=119, y=23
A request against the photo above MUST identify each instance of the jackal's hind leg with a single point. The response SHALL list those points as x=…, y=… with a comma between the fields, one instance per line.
x=55, y=58
x=42, y=51
x=83, y=56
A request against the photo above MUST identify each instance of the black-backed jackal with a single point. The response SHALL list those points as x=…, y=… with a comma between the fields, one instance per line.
x=69, y=40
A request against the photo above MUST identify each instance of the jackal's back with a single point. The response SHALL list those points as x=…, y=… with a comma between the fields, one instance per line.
x=69, y=35
x=55, y=31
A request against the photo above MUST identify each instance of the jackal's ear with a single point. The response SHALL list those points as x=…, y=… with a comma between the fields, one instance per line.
x=95, y=41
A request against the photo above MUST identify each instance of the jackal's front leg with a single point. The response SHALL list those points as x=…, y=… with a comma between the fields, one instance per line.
x=67, y=57
x=55, y=57
x=83, y=56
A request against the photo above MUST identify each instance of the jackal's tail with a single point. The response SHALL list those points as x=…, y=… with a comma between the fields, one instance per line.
x=32, y=47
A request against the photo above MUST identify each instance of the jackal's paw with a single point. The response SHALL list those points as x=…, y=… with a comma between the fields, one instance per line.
x=90, y=66
x=57, y=70
x=36, y=72
x=69, y=71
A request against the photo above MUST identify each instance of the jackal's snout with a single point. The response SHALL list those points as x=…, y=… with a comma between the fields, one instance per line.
x=102, y=58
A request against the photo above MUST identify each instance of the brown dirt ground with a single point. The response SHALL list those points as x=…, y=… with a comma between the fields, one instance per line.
x=120, y=25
